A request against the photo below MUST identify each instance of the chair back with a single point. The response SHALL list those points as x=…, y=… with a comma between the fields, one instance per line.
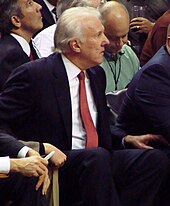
x=114, y=101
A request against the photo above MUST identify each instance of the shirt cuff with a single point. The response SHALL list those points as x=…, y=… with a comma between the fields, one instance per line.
x=123, y=143
x=4, y=165
x=23, y=152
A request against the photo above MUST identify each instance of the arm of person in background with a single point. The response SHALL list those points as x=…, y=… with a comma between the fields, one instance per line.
x=143, y=141
x=122, y=139
x=141, y=25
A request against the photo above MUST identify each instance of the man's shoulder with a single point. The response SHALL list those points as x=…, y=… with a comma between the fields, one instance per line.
x=128, y=50
x=10, y=50
x=129, y=57
x=9, y=42
x=44, y=64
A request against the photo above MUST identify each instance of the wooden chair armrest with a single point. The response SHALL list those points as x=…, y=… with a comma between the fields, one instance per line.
x=3, y=175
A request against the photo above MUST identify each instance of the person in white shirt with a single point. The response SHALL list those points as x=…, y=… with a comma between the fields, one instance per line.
x=44, y=40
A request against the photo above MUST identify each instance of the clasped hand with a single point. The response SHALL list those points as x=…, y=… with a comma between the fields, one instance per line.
x=141, y=25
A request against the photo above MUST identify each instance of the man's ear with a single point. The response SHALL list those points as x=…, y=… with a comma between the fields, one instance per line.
x=75, y=45
x=168, y=41
x=16, y=21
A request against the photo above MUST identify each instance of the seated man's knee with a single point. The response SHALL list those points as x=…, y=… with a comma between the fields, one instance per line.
x=158, y=159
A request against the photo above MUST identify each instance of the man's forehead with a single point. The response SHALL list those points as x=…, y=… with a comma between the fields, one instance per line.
x=23, y=2
x=89, y=24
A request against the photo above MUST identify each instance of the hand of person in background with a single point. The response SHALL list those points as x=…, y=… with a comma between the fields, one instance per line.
x=59, y=158
x=145, y=141
x=141, y=25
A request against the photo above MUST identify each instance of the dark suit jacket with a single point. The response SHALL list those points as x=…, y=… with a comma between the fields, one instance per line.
x=146, y=107
x=48, y=19
x=36, y=104
x=11, y=56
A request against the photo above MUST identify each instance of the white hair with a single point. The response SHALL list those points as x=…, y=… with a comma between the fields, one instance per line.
x=70, y=26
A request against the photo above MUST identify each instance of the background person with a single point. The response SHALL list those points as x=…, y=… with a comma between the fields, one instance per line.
x=44, y=41
x=156, y=38
x=19, y=21
x=120, y=63
x=48, y=12
x=153, y=10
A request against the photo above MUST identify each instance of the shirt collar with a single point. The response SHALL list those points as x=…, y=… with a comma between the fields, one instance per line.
x=71, y=69
x=24, y=44
x=49, y=6
x=110, y=57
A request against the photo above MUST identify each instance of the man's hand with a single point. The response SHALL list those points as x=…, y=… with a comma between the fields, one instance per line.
x=59, y=158
x=43, y=179
x=32, y=152
x=29, y=166
x=141, y=25
x=142, y=141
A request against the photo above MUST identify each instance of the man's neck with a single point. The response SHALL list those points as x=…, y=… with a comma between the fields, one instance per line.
x=23, y=34
x=76, y=61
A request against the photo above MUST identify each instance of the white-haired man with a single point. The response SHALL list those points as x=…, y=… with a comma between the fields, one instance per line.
x=44, y=41
x=61, y=99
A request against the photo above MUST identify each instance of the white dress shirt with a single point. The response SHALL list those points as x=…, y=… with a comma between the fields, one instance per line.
x=4, y=165
x=5, y=161
x=78, y=132
x=44, y=41
x=24, y=44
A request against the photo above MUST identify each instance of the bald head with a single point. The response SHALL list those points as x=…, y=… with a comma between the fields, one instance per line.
x=116, y=22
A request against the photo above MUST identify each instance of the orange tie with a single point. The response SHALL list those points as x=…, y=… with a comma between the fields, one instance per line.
x=91, y=133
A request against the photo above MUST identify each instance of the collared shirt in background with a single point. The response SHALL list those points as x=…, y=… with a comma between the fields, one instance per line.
x=121, y=70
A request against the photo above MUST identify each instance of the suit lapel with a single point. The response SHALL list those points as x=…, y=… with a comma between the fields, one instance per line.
x=94, y=87
x=46, y=13
x=62, y=91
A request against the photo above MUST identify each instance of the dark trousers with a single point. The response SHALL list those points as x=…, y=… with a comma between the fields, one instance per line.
x=87, y=176
x=21, y=191
x=130, y=177
x=142, y=177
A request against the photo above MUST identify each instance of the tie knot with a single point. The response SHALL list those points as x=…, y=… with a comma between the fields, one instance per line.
x=54, y=11
x=81, y=76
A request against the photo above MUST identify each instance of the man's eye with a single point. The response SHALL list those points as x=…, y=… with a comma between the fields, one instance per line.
x=30, y=2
